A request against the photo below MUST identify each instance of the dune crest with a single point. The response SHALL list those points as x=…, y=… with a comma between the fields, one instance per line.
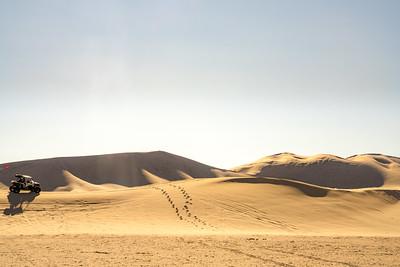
x=154, y=179
x=184, y=175
x=136, y=169
x=78, y=185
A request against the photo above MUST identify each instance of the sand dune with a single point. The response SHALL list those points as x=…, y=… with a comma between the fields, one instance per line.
x=134, y=169
x=242, y=218
x=122, y=169
x=305, y=202
x=369, y=170
x=154, y=179
x=230, y=205
x=77, y=184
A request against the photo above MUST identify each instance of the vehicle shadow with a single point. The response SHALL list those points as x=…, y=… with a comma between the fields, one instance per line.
x=16, y=202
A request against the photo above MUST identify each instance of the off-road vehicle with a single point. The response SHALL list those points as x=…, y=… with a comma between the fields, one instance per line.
x=24, y=182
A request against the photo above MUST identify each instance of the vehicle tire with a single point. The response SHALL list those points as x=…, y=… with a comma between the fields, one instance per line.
x=37, y=190
x=14, y=189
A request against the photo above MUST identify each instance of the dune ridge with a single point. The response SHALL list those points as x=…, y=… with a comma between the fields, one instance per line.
x=154, y=179
x=135, y=169
x=122, y=169
x=77, y=184
x=359, y=171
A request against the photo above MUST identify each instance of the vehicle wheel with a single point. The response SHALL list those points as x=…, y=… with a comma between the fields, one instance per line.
x=36, y=190
x=14, y=189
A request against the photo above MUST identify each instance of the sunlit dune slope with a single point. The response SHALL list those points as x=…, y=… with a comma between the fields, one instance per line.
x=76, y=184
x=230, y=205
x=124, y=169
x=359, y=171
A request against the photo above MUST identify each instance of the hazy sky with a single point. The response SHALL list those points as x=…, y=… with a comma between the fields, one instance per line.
x=221, y=82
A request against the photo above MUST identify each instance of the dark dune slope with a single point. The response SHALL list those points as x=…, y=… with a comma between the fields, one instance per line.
x=359, y=171
x=123, y=169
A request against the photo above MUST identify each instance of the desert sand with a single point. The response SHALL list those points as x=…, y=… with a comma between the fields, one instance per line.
x=282, y=210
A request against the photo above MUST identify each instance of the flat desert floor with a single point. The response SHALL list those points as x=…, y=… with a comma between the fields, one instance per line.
x=260, y=250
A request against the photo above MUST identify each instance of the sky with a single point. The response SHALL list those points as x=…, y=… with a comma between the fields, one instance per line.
x=220, y=82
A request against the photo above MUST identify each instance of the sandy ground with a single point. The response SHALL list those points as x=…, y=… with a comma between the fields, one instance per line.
x=244, y=220
x=101, y=250
x=206, y=206
x=206, y=222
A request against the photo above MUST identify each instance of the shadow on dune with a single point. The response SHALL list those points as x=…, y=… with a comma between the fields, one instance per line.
x=16, y=202
x=327, y=172
x=309, y=190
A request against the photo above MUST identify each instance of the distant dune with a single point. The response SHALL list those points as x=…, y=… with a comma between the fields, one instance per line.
x=359, y=171
x=126, y=169
x=136, y=169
